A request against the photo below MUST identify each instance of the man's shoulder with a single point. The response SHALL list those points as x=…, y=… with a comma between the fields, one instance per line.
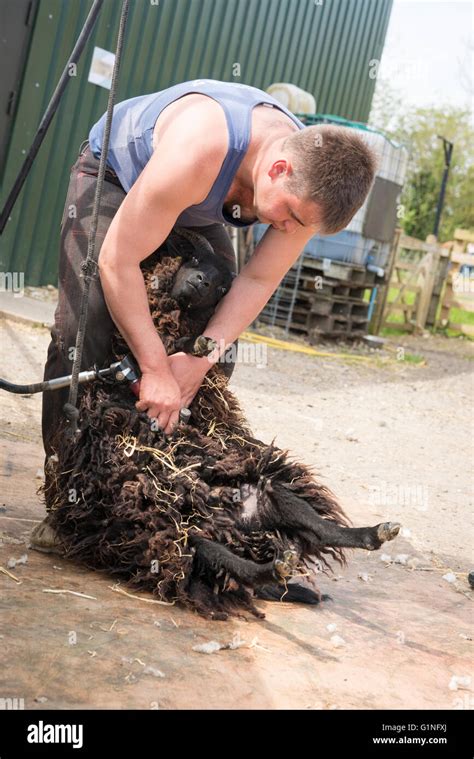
x=190, y=151
x=195, y=124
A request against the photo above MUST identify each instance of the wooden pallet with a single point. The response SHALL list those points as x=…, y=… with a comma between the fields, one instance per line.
x=335, y=326
x=325, y=306
x=329, y=301
x=349, y=274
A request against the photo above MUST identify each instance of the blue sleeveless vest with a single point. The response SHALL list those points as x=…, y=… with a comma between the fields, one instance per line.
x=130, y=146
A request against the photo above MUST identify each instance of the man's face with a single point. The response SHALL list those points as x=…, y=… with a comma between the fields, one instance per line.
x=276, y=205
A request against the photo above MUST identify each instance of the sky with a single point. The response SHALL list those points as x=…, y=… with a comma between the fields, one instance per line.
x=428, y=44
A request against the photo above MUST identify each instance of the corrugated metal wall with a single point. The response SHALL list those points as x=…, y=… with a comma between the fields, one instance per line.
x=323, y=48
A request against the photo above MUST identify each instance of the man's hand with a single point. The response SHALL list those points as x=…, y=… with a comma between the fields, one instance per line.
x=189, y=373
x=160, y=397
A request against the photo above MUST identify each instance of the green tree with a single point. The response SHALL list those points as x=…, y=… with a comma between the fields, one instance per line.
x=417, y=128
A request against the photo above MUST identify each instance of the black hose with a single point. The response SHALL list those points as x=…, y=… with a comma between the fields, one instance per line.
x=57, y=383
x=49, y=113
x=36, y=387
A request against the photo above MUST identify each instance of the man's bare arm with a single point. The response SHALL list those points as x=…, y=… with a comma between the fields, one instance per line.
x=145, y=218
x=172, y=180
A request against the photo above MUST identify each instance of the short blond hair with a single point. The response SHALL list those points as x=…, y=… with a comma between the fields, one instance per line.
x=333, y=167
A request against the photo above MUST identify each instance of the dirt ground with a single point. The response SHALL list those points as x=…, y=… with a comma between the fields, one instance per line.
x=392, y=438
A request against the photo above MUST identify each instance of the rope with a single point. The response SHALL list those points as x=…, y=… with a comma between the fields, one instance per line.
x=89, y=267
x=49, y=113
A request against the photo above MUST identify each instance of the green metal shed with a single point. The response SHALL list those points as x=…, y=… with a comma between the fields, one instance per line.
x=323, y=46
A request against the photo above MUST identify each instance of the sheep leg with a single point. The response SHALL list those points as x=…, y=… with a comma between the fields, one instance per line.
x=295, y=514
x=218, y=558
x=199, y=346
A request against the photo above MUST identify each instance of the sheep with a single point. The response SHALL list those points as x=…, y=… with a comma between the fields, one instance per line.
x=209, y=517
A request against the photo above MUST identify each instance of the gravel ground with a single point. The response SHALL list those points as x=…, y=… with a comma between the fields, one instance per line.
x=392, y=438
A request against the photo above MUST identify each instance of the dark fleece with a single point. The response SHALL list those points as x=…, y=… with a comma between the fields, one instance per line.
x=125, y=498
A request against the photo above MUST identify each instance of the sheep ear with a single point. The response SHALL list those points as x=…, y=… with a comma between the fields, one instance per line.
x=175, y=245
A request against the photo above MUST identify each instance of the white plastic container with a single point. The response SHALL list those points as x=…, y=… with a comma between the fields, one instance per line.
x=393, y=158
x=293, y=97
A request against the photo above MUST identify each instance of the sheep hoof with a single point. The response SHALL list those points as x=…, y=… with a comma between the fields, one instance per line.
x=292, y=594
x=285, y=566
x=388, y=531
x=45, y=538
x=203, y=346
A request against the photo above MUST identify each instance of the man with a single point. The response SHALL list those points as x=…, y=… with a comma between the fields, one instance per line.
x=198, y=154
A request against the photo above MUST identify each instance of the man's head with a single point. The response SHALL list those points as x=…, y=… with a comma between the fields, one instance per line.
x=317, y=177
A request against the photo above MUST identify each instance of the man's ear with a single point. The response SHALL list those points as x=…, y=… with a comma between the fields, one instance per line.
x=189, y=255
x=282, y=166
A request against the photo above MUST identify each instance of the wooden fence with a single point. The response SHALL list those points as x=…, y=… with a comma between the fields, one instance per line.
x=423, y=280
x=458, y=291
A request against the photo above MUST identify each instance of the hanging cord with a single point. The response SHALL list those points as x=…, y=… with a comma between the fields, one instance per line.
x=49, y=113
x=89, y=266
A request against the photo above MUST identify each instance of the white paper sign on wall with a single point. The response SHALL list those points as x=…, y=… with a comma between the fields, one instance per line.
x=102, y=65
